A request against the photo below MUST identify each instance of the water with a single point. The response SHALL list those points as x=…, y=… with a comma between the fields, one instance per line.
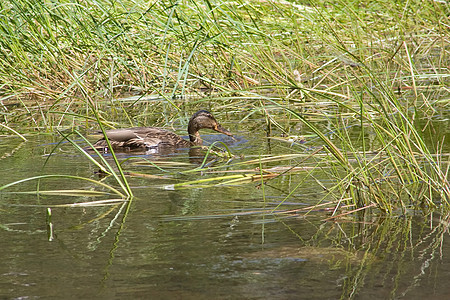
x=202, y=243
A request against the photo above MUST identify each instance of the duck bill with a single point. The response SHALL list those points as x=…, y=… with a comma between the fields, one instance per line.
x=223, y=130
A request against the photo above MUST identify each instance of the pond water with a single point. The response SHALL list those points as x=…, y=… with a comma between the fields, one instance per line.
x=201, y=242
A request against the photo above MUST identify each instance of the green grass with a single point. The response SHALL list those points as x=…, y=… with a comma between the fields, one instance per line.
x=369, y=73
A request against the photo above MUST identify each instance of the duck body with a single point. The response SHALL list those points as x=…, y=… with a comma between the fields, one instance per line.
x=146, y=138
x=141, y=138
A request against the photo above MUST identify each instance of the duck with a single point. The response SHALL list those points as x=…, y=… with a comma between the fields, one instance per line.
x=153, y=138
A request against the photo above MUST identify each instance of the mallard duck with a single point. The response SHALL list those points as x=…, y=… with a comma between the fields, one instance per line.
x=146, y=138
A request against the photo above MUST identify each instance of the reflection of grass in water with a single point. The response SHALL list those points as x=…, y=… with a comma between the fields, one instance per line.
x=397, y=254
x=400, y=254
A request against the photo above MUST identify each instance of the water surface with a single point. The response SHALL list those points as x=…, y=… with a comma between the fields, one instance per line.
x=202, y=243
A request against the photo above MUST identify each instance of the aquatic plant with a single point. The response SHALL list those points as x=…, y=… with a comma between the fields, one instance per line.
x=360, y=77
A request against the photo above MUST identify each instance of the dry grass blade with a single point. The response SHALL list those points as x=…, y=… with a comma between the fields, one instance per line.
x=73, y=193
x=115, y=191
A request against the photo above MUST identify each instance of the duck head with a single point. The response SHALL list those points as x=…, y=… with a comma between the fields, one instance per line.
x=200, y=120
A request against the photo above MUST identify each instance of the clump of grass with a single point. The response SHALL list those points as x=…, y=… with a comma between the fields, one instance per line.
x=377, y=67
